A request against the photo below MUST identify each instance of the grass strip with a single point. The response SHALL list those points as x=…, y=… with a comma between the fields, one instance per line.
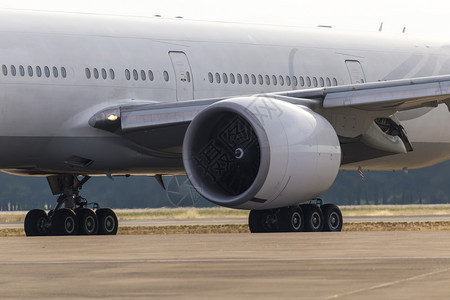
x=222, y=212
x=236, y=228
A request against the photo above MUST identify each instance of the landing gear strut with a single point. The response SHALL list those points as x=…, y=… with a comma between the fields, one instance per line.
x=71, y=215
x=312, y=217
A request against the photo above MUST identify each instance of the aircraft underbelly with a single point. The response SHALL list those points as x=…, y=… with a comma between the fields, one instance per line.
x=81, y=155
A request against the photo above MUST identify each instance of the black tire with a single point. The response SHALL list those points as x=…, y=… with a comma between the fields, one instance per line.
x=87, y=221
x=313, y=218
x=293, y=219
x=332, y=218
x=264, y=221
x=36, y=222
x=107, y=221
x=64, y=222
x=270, y=220
x=254, y=221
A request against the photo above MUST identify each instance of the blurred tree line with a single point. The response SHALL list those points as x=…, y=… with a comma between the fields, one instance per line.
x=424, y=186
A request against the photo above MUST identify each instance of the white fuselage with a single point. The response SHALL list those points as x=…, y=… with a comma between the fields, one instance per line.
x=96, y=62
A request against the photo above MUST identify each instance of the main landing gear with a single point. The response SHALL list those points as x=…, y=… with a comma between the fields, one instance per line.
x=311, y=217
x=75, y=217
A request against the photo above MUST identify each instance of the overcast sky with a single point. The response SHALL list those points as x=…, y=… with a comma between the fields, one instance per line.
x=431, y=17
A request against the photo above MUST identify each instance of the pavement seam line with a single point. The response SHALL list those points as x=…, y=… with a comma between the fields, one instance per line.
x=378, y=286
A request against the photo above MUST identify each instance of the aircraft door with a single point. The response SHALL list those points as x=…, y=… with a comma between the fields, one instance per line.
x=355, y=71
x=183, y=76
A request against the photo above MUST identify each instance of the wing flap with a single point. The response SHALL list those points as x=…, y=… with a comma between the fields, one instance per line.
x=401, y=94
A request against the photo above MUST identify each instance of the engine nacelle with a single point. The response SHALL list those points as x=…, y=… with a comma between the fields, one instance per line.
x=260, y=153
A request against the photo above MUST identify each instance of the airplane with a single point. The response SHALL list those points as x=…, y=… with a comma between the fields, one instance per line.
x=258, y=117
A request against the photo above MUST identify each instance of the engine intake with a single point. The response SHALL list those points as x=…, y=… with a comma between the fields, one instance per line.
x=260, y=153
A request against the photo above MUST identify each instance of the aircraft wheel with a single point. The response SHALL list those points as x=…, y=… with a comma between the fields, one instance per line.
x=254, y=221
x=64, y=222
x=293, y=219
x=332, y=218
x=264, y=221
x=270, y=220
x=313, y=218
x=107, y=221
x=36, y=223
x=87, y=221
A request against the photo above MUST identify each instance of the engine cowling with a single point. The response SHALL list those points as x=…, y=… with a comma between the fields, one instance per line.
x=260, y=153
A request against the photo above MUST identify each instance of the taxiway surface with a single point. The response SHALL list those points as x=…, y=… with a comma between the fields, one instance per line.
x=347, y=265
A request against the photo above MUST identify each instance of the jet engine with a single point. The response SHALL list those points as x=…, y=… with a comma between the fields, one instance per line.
x=260, y=153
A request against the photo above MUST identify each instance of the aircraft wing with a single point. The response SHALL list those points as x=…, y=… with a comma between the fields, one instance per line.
x=394, y=95
x=150, y=125
x=398, y=95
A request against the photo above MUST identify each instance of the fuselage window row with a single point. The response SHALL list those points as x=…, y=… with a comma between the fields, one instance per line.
x=31, y=72
x=274, y=80
x=143, y=75
x=97, y=73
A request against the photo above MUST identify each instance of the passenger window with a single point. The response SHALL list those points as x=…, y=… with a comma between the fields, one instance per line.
x=127, y=74
x=239, y=77
x=225, y=78
x=96, y=74
x=302, y=81
x=218, y=78
x=104, y=74
x=308, y=81
x=232, y=78
x=13, y=70
x=87, y=71
x=210, y=77
x=260, y=79
x=294, y=81
x=63, y=72
x=322, y=83
x=253, y=79
x=47, y=71
x=135, y=74
x=21, y=70
x=39, y=71
x=335, y=82
x=328, y=81
x=274, y=79
x=166, y=76
x=281, y=79
x=5, y=70
x=30, y=71
x=143, y=75
x=246, y=79
x=111, y=74
x=55, y=72
x=150, y=75
x=315, y=81
x=288, y=81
